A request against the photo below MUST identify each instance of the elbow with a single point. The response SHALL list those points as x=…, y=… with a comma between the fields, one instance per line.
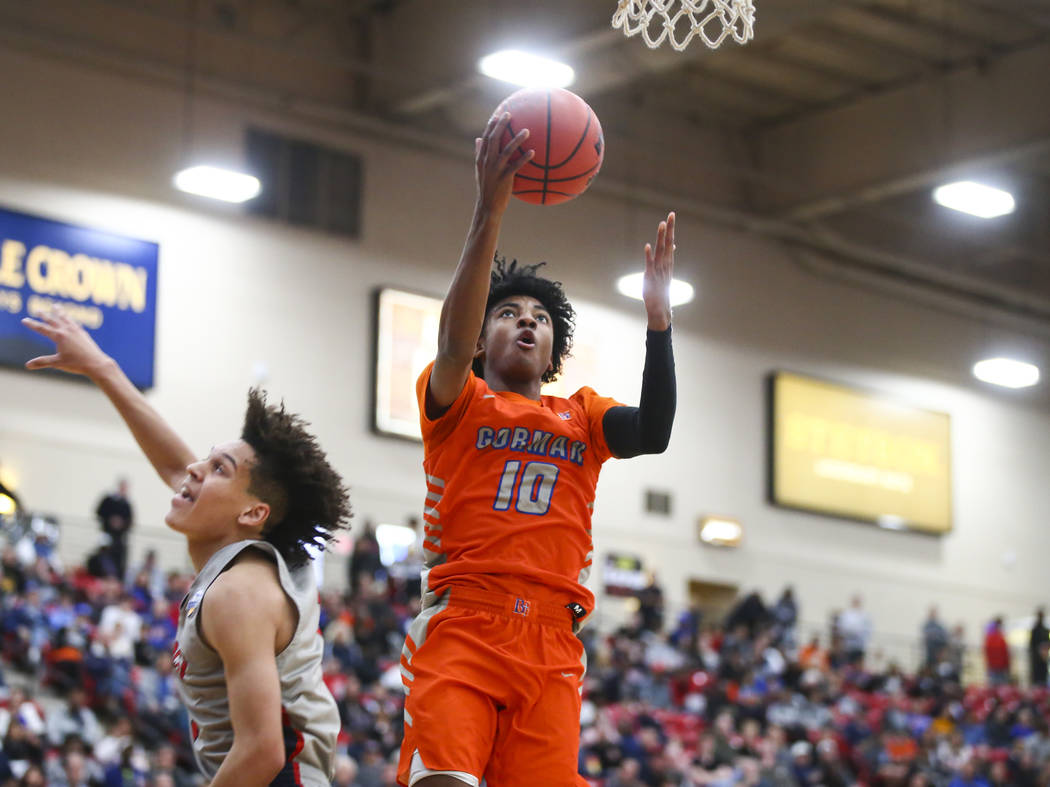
x=657, y=445
x=274, y=762
x=656, y=438
x=267, y=756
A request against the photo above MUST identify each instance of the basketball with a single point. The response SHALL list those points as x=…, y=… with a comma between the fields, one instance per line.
x=567, y=139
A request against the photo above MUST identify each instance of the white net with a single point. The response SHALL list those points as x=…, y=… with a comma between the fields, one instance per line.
x=680, y=21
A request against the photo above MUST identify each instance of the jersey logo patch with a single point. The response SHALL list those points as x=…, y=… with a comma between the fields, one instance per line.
x=577, y=610
x=521, y=606
x=193, y=604
x=565, y=415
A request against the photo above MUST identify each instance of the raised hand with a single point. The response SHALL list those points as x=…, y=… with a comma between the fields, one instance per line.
x=496, y=168
x=75, y=350
x=656, y=284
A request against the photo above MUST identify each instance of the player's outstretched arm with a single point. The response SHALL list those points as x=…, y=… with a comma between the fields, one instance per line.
x=77, y=353
x=463, y=312
x=646, y=429
x=241, y=618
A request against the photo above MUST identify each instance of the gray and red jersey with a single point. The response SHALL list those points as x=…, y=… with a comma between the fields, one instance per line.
x=309, y=717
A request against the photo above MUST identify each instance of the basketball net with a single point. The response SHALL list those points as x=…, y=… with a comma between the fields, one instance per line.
x=680, y=21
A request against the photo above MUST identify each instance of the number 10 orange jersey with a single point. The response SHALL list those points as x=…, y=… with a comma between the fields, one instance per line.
x=510, y=492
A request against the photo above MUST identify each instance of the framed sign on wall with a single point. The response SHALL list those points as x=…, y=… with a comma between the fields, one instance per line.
x=858, y=455
x=105, y=282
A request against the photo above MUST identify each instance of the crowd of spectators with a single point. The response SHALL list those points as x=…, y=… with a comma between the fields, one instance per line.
x=88, y=695
x=745, y=704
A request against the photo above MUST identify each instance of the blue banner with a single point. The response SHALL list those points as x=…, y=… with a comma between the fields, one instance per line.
x=105, y=282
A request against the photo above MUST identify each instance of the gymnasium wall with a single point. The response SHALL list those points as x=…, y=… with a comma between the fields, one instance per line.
x=242, y=299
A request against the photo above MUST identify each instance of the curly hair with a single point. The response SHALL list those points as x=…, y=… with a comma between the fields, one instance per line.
x=308, y=502
x=509, y=279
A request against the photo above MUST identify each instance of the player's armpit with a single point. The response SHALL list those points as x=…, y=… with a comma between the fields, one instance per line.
x=436, y=422
x=240, y=619
x=447, y=379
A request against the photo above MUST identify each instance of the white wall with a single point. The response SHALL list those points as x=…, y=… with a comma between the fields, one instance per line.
x=99, y=150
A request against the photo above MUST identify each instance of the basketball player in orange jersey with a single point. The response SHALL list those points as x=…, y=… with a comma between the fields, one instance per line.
x=492, y=666
x=248, y=652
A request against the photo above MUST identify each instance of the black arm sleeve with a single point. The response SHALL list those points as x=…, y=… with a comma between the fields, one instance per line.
x=646, y=429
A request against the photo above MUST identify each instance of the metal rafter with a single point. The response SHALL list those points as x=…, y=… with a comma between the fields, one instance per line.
x=979, y=60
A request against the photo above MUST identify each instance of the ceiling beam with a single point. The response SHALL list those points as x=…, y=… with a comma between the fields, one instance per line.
x=901, y=140
x=277, y=46
x=916, y=181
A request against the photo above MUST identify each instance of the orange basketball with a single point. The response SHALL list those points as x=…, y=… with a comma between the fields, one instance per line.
x=567, y=138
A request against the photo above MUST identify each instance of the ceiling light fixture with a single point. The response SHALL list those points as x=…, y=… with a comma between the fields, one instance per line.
x=631, y=286
x=217, y=183
x=976, y=199
x=1006, y=372
x=196, y=178
x=524, y=68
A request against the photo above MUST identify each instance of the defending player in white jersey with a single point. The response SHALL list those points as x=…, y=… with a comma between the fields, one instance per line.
x=248, y=652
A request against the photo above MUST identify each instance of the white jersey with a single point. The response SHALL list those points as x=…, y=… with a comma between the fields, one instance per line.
x=309, y=716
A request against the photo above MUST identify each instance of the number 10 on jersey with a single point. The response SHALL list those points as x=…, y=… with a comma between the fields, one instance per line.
x=529, y=488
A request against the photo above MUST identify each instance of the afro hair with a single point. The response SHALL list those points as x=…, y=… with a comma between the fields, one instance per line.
x=510, y=279
x=308, y=502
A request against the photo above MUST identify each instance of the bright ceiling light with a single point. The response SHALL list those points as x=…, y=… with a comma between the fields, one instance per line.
x=7, y=505
x=216, y=183
x=975, y=199
x=523, y=68
x=1006, y=372
x=631, y=286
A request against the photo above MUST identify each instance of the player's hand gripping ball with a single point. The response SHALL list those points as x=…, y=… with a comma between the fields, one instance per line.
x=567, y=139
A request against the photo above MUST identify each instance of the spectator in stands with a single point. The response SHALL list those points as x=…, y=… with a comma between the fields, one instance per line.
x=109, y=751
x=33, y=777
x=854, y=625
x=953, y=752
x=651, y=606
x=345, y=771
x=996, y=654
x=119, y=631
x=22, y=747
x=750, y=612
x=148, y=575
x=957, y=648
x=833, y=771
x=627, y=775
x=968, y=777
x=812, y=656
x=165, y=765
x=12, y=572
x=115, y=518
x=805, y=770
x=73, y=770
x=119, y=628
x=1038, y=640
x=785, y=617
x=75, y=719
x=934, y=638
x=364, y=560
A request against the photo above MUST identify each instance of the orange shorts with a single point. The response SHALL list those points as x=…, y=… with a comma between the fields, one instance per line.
x=493, y=691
